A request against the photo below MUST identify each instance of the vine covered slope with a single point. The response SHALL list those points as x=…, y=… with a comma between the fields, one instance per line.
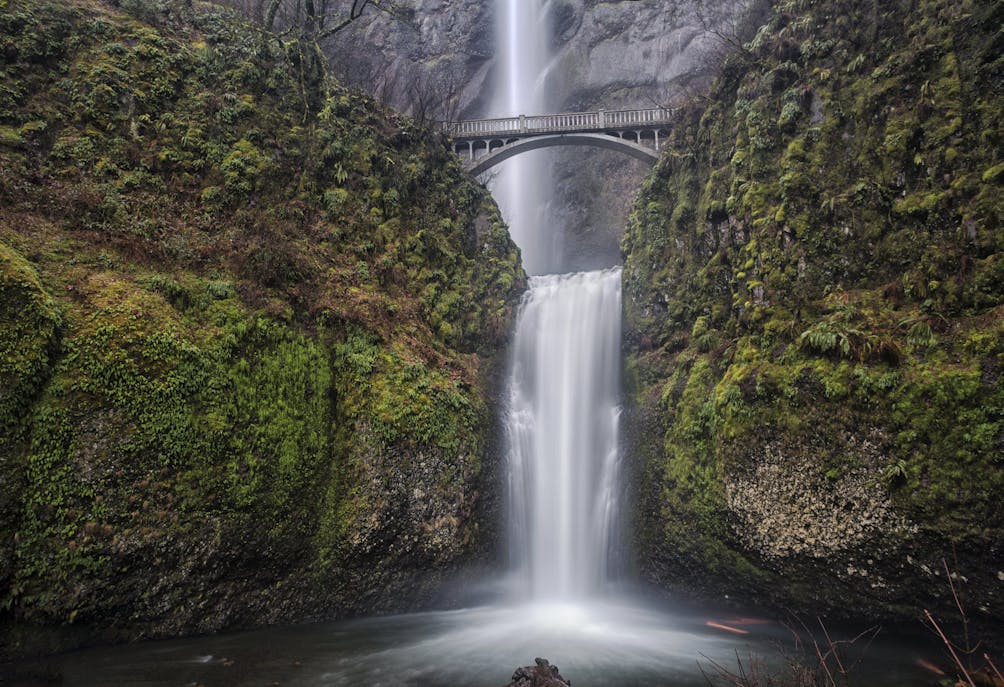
x=247, y=329
x=814, y=287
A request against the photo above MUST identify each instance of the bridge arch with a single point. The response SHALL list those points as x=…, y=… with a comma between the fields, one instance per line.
x=502, y=138
x=596, y=140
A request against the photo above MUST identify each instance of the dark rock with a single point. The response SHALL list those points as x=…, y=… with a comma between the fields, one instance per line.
x=543, y=674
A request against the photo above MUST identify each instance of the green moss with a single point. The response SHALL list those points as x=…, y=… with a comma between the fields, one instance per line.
x=402, y=401
x=993, y=174
x=30, y=325
x=30, y=322
x=822, y=315
x=274, y=301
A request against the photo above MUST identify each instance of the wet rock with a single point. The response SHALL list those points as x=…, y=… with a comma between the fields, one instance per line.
x=543, y=674
x=775, y=471
x=783, y=508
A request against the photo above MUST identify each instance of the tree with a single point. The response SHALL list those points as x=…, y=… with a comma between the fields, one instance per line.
x=434, y=98
x=303, y=26
x=316, y=20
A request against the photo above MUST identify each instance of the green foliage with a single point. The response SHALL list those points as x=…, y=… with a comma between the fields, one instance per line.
x=825, y=338
x=239, y=420
x=228, y=297
x=402, y=401
x=809, y=270
x=848, y=331
x=30, y=323
x=242, y=167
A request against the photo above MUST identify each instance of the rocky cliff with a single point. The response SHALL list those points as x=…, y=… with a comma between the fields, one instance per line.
x=247, y=333
x=815, y=306
x=626, y=53
x=437, y=60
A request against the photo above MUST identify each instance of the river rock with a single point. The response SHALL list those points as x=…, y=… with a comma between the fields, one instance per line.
x=543, y=674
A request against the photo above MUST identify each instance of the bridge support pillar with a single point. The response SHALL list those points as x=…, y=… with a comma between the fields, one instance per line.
x=522, y=124
x=603, y=118
x=657, y=139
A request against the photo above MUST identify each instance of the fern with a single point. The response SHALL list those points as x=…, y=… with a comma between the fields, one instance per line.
x=823, y=338
x=919, y=333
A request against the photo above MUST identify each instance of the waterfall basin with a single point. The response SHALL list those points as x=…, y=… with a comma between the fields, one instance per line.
x=600, y=643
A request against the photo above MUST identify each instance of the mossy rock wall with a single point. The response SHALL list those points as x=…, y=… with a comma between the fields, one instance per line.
x=249, y=330
x=815, y=317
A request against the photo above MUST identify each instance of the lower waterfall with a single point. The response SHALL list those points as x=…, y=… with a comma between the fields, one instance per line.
x=561, y=424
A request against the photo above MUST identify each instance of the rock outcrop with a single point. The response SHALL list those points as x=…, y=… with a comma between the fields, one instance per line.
x=542, y=674
x=248, y=328
x=815, y=318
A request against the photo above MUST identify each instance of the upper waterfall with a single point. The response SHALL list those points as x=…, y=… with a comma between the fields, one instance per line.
x=522, y=187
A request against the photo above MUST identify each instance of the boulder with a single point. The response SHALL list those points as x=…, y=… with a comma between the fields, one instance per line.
x=543, y=674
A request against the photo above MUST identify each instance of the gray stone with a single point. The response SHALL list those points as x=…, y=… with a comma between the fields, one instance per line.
x=438, y=62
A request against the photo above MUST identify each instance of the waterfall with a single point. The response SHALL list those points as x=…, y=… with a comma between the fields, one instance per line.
x=564, y=380
x=564, y=390
x=522, y=186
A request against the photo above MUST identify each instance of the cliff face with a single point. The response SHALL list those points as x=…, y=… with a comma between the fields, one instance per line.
x=438, y=60
x=248, y=334
x=815, y=304
x=626, y=53
x=431, y=58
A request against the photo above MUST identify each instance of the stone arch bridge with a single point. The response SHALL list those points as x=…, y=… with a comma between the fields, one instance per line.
x=483, y=143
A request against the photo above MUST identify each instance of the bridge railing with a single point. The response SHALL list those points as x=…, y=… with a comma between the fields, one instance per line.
x=484, y=127
x=568, y=121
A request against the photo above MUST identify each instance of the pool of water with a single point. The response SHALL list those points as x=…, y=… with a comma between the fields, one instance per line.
x=595, y=645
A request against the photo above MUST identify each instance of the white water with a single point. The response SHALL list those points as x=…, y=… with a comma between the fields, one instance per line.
x=564, y=389
x=522, y=186
x=564, y=383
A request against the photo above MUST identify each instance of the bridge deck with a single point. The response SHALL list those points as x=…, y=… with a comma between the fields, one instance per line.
x=568, y=122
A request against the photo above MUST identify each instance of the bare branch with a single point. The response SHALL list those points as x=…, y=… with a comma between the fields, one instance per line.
x=951, y=647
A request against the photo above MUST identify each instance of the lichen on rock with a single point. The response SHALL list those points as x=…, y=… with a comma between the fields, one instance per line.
x=784, y=507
